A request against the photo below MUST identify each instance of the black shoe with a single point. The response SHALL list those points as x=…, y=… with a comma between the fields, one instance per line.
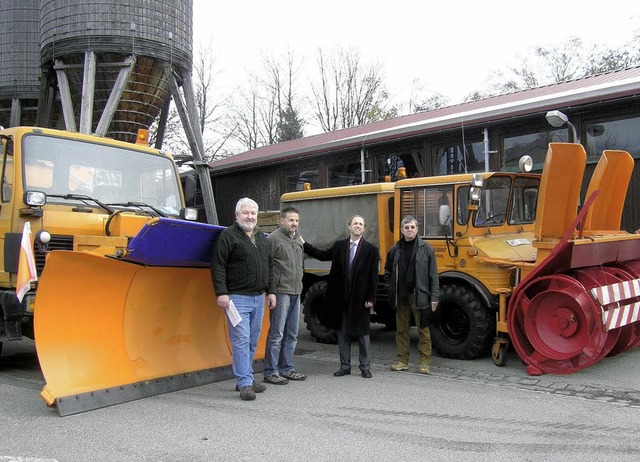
x=247, y=393
x=342, y=372
x=366, y=374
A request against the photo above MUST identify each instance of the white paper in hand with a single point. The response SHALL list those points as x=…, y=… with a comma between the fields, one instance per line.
x=232, y=313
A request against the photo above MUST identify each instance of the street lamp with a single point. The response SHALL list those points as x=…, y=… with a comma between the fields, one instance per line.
x=558, y=119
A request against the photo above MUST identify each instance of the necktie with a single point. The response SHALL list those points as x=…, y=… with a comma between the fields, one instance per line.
x=352, y=253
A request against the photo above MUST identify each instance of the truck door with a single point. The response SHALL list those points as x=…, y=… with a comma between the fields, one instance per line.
x=6, y=194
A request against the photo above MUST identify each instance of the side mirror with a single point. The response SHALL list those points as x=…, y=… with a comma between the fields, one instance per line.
x=444, y=215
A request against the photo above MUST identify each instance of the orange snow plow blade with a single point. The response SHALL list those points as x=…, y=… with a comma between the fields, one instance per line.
x=109, y=331
x=559, y=189
x=611, y=177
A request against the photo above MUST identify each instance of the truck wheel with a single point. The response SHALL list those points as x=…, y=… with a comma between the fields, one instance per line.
x=315, y=313
x=465, y=329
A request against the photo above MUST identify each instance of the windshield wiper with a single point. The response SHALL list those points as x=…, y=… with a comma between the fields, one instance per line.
x=142, y=205
x=84, y=199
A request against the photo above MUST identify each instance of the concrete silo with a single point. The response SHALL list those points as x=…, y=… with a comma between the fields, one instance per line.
x=20, y=58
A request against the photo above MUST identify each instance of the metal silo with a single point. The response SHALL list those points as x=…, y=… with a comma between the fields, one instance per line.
x=20, y=58
x=108, y=61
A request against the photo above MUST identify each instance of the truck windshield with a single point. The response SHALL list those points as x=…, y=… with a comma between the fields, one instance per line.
x=110, y=174
x=524, y=200
x=492, y=209
x=508, y=199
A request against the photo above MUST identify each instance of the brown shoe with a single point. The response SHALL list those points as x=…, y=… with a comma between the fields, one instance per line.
x=400, y=366
x=293, y=375
x=276, y=379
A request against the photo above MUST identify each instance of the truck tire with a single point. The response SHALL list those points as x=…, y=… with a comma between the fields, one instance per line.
x=313, y=306
x=465, y=328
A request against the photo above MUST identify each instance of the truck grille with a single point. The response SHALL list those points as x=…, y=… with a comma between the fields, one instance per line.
x=58, y=242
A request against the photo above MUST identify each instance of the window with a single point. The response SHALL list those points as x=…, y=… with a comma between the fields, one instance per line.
x=110, y=174
x=620, y=134
x=462, y=213
x=524, y=200
x=492, y=210
x=424, y=204
x=7, y=170
x=390, y=162
x=458, y=158
x=390, y=166
x=344, y=174
x=297, y=179
x=532, y=144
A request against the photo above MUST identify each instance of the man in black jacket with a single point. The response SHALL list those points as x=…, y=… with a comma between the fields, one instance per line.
x=351, y=292
x=242, y=272
x=412, y=276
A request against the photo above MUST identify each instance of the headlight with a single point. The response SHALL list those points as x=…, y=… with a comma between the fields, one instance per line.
x=29, y=304
x=189, y=213
x=525, y=164
x=475, y=193
x=477, y=180
x=35, y=198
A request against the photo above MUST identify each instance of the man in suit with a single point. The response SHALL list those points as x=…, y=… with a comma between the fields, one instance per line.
x=351, y=292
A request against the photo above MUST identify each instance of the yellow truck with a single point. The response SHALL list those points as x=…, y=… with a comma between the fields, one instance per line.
x=123, y=306
x=78, y=192
x=504, y=242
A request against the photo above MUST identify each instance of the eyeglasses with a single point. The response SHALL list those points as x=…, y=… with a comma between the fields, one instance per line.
x=410, y=227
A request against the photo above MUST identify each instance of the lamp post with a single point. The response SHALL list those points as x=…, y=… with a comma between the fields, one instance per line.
x=558, y=119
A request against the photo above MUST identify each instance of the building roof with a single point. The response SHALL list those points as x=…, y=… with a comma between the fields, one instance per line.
x=601, y=87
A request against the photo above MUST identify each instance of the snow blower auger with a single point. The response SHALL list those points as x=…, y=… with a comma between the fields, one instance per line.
x=111, y=329
x=582, y=301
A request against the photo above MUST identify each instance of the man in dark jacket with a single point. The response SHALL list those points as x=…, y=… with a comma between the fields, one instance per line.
x=412, y=276
x=288, y=267
x=351, y=292
x=242, y=272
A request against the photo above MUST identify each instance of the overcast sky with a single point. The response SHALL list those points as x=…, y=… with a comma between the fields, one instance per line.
x=451, y=46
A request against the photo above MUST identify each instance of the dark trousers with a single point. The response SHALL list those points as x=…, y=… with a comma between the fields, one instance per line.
x=344, y=347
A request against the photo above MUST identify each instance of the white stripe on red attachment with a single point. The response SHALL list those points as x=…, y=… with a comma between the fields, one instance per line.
x=618, y=315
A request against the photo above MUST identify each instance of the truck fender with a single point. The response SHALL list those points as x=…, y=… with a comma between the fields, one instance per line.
x=487, y=297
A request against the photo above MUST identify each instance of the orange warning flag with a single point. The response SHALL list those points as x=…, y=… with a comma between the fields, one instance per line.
x=26, y=264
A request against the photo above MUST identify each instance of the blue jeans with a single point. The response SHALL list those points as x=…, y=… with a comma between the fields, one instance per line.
x=244, y=337
x=283, y=335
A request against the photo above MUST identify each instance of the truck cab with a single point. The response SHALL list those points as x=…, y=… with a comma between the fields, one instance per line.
x=481, y=227
x=78, y=192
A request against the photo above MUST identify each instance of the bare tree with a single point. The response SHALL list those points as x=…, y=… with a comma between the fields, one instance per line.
x=602, y=59
x=563, y=62
x=211, y=105
x=348, y=93
x=211, y=108
x=515, y=79
x=244, y=117
x=422, y=100
x=546, y=65
x=266, y=110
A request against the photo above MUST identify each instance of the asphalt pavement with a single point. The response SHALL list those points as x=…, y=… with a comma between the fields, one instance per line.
x=462, y=411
